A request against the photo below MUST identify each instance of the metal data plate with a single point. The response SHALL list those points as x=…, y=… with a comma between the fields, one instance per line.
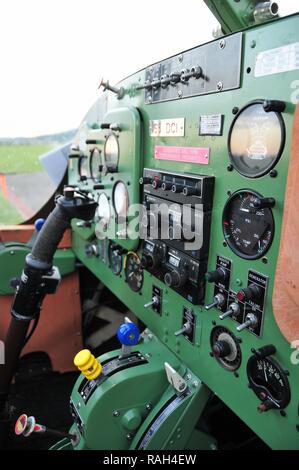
x=221, y=64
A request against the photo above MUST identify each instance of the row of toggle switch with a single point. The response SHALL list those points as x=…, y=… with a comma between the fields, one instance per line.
x=173, y=78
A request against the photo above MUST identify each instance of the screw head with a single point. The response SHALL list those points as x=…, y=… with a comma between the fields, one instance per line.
x=220, y=86
x=222, y=43
x=273, y=173
x=230, y=168
x=129, y=436
x=116, y=414
x=180, y=94
x=235, y=110
x=148, y=407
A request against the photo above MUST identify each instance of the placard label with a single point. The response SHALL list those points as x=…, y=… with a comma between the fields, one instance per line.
x=280, y=60
x=167, y=128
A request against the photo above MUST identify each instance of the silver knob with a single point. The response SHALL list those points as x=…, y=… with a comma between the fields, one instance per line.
x=219, y=301
x=152, y=303
x=187, y=327
x=234, y=308
x=250, y=320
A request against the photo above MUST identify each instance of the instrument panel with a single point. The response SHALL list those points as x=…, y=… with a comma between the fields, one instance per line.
x=224, y=153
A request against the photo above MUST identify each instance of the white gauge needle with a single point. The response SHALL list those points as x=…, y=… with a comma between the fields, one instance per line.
x=265, y=372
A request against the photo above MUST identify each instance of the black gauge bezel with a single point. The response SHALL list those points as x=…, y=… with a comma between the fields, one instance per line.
x=282, y=145
x=118, y=217
x=227, y=240
x=232, y=366
x=82, y=159
x=96, y=179
x=133, y=255
x=108, y=136
x=110, y=248
x=258, y=389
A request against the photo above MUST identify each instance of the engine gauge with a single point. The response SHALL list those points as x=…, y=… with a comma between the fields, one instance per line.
x=111, y=153
x=121, y=200
x=104, y=209
x=269, y=382
x=248, y=230
x=95, y=164
x=115, y=258
x=256, y=140
x=134, y=272
x=83, y=168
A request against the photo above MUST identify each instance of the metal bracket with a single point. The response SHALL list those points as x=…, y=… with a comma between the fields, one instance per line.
x=175, y=379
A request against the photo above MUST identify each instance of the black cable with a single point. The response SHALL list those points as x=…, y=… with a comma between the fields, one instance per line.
x=34, y=326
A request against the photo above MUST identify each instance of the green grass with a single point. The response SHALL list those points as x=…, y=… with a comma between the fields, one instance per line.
x=8, y=213
x=21, y=158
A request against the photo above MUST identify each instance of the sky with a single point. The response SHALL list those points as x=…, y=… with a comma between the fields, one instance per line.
x=54, y=52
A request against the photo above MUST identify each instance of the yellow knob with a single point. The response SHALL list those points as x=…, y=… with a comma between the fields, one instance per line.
x=88, y=364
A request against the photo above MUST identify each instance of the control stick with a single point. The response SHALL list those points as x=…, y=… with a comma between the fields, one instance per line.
x=38, y=279
x=27, y=425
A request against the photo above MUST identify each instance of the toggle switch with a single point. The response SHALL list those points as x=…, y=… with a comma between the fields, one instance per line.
x=219, y=301
x=153, y=303
x=250, y=321
x=187, y=327
x=234, y=309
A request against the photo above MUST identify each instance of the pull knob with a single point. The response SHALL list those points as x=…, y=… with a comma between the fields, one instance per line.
x=118, y=91
x=156, y=183
x=128, y=335
x=221, y=349
x=166, y=186
x=38, y=224
x=187, y=328
x=265, y=351
x=220, y=274
x=252, y=292
x=250, y=321
x=88, y=364
x=234, y=309
x=98, y=186
x=153, y=303
x=265, y=203
x=219, y=301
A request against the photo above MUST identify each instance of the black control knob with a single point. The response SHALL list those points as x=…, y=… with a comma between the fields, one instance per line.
x=146, y=180
x=187, y=191
x=147, y=261
x=166, y=186
x=221, y=349
x=175, y=279
x=265, y=351
x=98, y=186
x=219, y=275
x=265, y=203
x=252, y=292
x=177, y=188
x=197, y=72
x=156, y=184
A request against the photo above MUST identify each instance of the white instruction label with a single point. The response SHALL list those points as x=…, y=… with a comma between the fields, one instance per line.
x=167, y=128
x=211, y=125
x=280, y=60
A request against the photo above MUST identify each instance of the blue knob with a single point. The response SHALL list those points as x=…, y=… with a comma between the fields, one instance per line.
x=38, y=224
x=128, y=334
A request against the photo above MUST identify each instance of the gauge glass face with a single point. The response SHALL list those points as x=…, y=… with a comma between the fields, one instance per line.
x=121, y=199
x=256, y=141
x=248, y=231
x=83, y=167
x=111, y=151
x=95, y=165
x=115, y=259
x=104, y=210
x=134, y=272
x=269, y=381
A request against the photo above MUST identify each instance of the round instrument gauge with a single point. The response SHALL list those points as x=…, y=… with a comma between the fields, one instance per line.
x=248, y=230
x=134, y=272
x=83, y=168
x=115, y=258
x=226, y=348
x=256, y=140
x=104, y=209
x=121, y=200
x=269, y=382
x=111, y=151
x=95, y=164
